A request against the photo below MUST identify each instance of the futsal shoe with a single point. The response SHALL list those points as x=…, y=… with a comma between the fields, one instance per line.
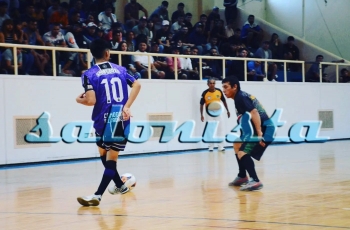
x=211, y=149
x=93, y=200
x=252, y=186
x=239, y=181
x=115, y=190
x=222, y=149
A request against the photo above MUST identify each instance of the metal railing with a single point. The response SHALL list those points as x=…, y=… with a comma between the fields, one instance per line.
x=200, y=58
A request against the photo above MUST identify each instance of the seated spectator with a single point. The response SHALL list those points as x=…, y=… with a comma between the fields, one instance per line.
x=116, y=39
x=179, y=12
x=115, y=26
x=130, y=41
x=152, y=32
x=126, y=60
x=182, y=35
x=251, y=34
x=186, y=66
x=237, y=66
x=313, y=74
x=90, y=18
x=198, y=39
x=219, y=32
x=344, y=76
x=212, y=44
x=55, y=6
x=41, y=58
x=170, y=73
x=158, y=61
x=142, y=65
x=8, y=61
x=215, y=65
x=141, y=28
x=131, y=13
x=107, y=18
x=78, y=8
x=291, y=52
x=229, y=32
x=89, y=34
x=61, y=16
x=3, y=13
x=203, y=21
x=162, y=37
x=162, y=12
x=213, y=17
x=255, y=72
x=176, y=26
x=265, y=53
x=276, y=47
x=187, y=22
x=75, y=66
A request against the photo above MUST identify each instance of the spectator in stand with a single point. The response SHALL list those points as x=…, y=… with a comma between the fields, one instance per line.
x=7, y=60
x=229, y=29
x=291, y=52
x=251, y=33
x=126, y=60
x=344, y=76
x=215, y=65
x=177, y=25
x=186, y=66
x=219, y=32
x=90, y=18
x=55, y=6
x=61, y=16
x=141, y=28
x=141, y=63
x=276, y=48
x=198, y=38
x=182, y=35
x=158, y=62
x=313, y=74
x=162, y=11
x=115, y=26
x=212, y=44
x=41, y=58
x=116, y=39
x=187, y=22
x=3, y=12
x=255, y=72
x=131, y=13
x=212, y=18
x=170, y=73
x=152, y=31
x=203, y=21
x=130, y=41
x=162, y=37
x=179, y=12
x=107, y=18
x=90, y=33
x=237, y=66
x=78, y=7
x=265, y=53
x=230, y=9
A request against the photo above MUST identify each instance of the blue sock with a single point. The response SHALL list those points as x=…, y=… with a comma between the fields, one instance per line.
x=108, y=175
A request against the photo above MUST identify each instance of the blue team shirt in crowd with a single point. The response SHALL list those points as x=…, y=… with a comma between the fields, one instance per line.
x=110, y=83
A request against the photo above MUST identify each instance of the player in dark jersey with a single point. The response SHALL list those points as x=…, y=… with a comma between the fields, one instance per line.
x=105, y=86
x=263, y=128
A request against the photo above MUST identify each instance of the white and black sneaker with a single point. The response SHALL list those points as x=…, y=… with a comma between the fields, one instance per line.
x=115, y=190
x=93, y=200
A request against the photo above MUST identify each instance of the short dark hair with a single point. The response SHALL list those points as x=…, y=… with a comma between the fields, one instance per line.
x=165, y=3
x=319, y=56
x=180, y=4
x=233, y=80
x=290, y=38
x=251, y=16
x=188, y=14
x=98, y=48
x=343, y=70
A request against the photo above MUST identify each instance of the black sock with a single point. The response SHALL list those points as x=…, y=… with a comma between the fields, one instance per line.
x=118, y=182
x=248, y=163
x=108, y=175
x=116, y=179
x=242, y=173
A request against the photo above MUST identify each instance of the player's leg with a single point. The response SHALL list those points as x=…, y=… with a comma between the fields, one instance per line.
x=209, y=132
x=242, y=175
x=220, y=131
x=248, y=163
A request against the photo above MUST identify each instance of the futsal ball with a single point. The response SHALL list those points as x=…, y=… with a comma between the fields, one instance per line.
x=129, y=180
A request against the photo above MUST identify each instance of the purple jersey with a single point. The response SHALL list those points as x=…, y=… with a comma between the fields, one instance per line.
x=109, y=81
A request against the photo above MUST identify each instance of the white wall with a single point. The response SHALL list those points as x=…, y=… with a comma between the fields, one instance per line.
x=318, y=23
x=30, y=96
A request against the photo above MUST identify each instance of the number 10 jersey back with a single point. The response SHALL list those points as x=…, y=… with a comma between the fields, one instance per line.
x=110, y=83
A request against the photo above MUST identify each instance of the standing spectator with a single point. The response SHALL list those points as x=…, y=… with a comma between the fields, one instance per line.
x=291, y=52
x=251, y=33
x=265, y=53
x=131, y=13
x=162, y=11
x=212, y=18
x=179, y=12
x=276, y=48
x=230, y=9
x=107, y=18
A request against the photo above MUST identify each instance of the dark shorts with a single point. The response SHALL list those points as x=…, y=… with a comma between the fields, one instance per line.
x=254, y=149
x=115, y=145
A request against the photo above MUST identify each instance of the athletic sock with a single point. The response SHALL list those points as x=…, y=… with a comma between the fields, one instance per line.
x=116, y=179
x=248, y=163
x=108, y=175
x=242, y=173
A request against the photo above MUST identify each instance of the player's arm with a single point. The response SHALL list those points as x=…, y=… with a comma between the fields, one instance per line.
x=202, y=106
x=136, y=87
x=89, y=97
x=256, y=121
x=224, y=102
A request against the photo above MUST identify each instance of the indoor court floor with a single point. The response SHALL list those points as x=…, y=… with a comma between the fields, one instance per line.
x=306, y=186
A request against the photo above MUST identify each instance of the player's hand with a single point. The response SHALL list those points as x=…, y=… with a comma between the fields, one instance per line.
x=126, y=113
x=202, y=118
x=260, y=135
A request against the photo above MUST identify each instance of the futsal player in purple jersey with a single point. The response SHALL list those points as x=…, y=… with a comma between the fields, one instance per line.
x=106, y=88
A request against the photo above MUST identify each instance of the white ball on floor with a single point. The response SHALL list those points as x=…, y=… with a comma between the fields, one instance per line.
x=129, y=180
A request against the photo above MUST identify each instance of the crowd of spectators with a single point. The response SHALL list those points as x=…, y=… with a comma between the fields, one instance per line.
x=77, y=23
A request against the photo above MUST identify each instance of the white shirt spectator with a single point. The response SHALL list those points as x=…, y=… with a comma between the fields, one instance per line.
x=175, y=27
x=53, y=40
x=107, y=21
x=143, y=59
x=186, y=63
